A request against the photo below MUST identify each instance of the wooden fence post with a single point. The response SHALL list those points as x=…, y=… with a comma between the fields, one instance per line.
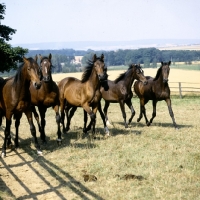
x=180, y=92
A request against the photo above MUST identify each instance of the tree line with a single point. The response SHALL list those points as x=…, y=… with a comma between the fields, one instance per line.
x=149, y=57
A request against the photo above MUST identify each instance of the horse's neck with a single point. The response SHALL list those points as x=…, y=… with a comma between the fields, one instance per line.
x=159, y=82
x=93, y=81
x=128, y=80
x=22, y=86
x=48, y=86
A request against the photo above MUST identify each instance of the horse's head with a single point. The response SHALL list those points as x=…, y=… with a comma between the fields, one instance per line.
x=100, y=68
x=139, y=73
x=165, y=71
x=33, y=71
x=45, y=66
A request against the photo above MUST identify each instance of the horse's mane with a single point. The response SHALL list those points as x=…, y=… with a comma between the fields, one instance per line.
x=123, y=75
x=18, y=76
x=88, y=70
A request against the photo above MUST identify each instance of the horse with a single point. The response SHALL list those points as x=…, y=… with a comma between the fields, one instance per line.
x=45, y=97
x=156, y=90
x=15, y=98
x=82, y=93
x=119, y=91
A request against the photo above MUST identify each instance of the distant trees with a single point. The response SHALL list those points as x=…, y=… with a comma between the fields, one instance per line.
x=149, y=57
x=9, y=56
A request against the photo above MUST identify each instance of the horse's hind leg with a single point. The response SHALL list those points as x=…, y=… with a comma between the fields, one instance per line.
x=42, y=111
x=59, y=139
x=103, y=119
x=154, y=102
x=17, y=123
x=168, y=101
x=129, y=104
x=69, y=116
x=121, y=103
x=7, y=134
x=105, y=112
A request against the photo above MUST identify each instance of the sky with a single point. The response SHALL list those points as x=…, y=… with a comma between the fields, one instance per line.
x=39, y=21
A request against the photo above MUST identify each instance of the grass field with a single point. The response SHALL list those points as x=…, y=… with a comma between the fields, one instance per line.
x=165, y=161
x=156, y=162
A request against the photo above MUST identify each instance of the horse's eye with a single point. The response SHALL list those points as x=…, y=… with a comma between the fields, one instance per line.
x=29, y=68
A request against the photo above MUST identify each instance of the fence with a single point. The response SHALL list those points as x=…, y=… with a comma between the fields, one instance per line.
x=183, y=88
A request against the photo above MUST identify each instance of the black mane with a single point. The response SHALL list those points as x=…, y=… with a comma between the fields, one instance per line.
x=88, y=70
x=123, y=75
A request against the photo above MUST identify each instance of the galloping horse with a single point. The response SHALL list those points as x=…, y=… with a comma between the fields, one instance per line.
x=119, y=91
x=156, y=90
x=76, y=93
x=45, y=97
x=15, y=97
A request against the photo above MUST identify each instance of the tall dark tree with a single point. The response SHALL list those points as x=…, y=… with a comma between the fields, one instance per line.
x=9, y=56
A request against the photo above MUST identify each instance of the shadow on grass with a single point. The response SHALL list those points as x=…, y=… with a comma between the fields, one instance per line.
x=65, y=180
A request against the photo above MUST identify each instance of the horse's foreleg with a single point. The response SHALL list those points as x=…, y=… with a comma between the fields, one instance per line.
x=121, y=103
x=129, y=104
x=7, y=134
x=42, y=110
x=28, y=114
x=103, y=119
x=85, y=129
x=56, y=109
x=105, y=109
x=168, y=101
x=154, y=102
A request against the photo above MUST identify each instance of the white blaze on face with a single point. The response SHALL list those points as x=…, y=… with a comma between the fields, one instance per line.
x=46, y=70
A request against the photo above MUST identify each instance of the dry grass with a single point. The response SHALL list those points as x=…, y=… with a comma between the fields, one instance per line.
x=167, y=159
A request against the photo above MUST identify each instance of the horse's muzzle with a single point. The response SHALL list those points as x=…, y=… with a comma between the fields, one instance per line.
x=37, y=85
x=103, y=77
x=165, y=80
x=46, y=78
x=145, y=82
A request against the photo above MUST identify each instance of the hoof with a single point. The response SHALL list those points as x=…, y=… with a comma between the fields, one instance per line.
x=59, y=142
x=39, y=153
x=3, y=155
x=138, y=119
x=148, y=123
x=108, y=123
x=107, y=132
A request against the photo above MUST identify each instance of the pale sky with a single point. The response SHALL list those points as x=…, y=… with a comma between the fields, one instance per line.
x=101, y=20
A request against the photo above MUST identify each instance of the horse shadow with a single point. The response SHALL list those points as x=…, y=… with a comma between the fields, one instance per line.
x=64, y=178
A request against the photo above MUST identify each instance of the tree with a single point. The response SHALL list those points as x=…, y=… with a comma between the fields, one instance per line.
x=9, y=56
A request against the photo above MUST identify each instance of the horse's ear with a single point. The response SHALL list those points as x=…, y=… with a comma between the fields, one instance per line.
x=102, y=57
x=25, y=60
x=40, y=56
x=36, y=57
x=94, y=57
x=169, y=63
x=50, y=56
x=162, y=63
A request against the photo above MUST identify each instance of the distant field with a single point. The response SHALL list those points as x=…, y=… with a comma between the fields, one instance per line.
x=183, y=47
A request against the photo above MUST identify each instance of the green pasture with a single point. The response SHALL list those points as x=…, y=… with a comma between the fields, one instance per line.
x=165, y=161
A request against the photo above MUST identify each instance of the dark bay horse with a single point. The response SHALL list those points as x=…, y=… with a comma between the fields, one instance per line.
x=15, y=97
x=156, y=90
x=45, y=97
x=119, y=91
x=82, y=93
